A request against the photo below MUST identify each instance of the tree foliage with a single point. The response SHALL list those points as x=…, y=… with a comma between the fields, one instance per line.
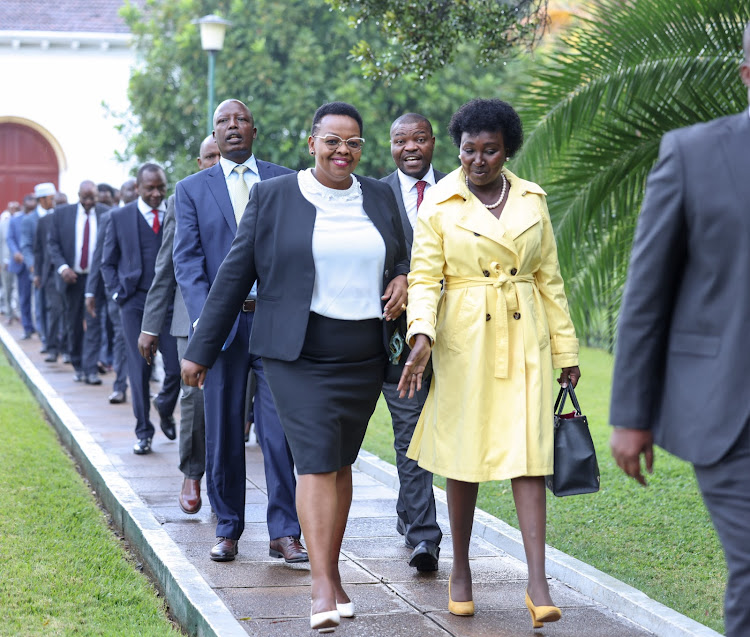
x=283, y=60
x=420, y=38
x=612, y=86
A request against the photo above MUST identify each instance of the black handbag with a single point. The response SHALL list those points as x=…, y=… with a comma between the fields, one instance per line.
x=576, y=469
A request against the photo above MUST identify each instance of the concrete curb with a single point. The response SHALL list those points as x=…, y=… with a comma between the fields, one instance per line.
x=616, y=595
x=195, y=606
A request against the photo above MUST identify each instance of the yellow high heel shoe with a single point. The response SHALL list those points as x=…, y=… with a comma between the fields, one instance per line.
x=540, y=614
x=462, y=609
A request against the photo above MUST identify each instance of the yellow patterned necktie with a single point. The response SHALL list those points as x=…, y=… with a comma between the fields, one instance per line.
x=240, y=193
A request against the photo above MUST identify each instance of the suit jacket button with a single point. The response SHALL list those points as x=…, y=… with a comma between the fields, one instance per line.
x=385, y=274
x=488, y=318
x=513, y=272
x=523, y=194
x=516, y=315
x=486, y=272
x=476, y=234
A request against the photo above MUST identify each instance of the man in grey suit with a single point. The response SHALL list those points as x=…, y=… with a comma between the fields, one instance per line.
x=163, y=291
x=412, y=145
x=680, y=377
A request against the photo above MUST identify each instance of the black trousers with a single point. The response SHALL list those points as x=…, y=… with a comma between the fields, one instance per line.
x=726, y=491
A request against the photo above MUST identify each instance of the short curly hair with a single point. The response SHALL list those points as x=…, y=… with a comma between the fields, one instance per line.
x=490, y=115
x=336, y=108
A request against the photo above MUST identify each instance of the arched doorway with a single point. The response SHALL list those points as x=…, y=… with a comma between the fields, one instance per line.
x=26, y=159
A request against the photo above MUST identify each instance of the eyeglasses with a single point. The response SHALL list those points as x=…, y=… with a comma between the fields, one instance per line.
x=333, y=142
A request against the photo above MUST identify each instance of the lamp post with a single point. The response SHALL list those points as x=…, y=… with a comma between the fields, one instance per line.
x=213, y=29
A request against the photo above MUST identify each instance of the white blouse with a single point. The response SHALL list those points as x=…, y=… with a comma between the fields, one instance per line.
x=348, y=252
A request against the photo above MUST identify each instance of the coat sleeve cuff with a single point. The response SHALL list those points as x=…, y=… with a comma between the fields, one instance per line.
x=419, y=326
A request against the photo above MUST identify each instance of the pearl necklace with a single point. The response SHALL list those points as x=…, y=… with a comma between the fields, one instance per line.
x=502, y=193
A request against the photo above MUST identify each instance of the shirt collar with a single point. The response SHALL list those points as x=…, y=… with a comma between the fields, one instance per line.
x=407, y=181
x=143, y=207
x=41, y=211
x=227, y=165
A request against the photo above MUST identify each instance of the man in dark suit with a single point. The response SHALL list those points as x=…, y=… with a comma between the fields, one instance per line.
x=412, y=146
x=209, y=205
x=680, y=377
x=164, y=291
x=71, y=244
x=128, y=265
x=46, y=279
x=95, y=292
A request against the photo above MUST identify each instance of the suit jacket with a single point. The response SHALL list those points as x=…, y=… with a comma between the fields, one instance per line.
x=95, y=281
x=13, y=241
x=205, y=230
x=122, y=263
x=43, y=265
x=28, y=233
x=274, y=246
x=684, y=332
x=61, y=242
x=164, y=290
x=393, y=181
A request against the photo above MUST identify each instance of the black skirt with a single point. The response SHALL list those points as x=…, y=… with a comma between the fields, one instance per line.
x=325, y=398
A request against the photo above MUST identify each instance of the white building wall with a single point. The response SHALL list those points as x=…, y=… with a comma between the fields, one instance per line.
x=75, y=87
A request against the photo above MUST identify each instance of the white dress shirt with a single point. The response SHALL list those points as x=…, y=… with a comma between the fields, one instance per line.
x=80, y=225
x=147, y=212
x=409, y=192
x=251, y=175
x=348, y=252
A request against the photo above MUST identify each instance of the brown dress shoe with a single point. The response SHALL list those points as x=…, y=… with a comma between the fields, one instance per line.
x=190, y=496
x=290, y=548
x=225, y=550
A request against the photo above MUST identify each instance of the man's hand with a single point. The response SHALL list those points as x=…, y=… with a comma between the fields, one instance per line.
x=18, y=257
x=395, y=294
x=90, y=303
x=627, y=445
x=37, y=281
x=411, y=377
x=193, y=374
x=147, y=344
x=69, y=276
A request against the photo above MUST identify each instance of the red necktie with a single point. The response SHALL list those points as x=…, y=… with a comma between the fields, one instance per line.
x=156, y=225
x=421, y=185
x=85, y=244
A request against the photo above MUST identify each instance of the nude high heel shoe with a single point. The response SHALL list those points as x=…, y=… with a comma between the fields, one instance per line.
x=462, y=609
x=540, y=614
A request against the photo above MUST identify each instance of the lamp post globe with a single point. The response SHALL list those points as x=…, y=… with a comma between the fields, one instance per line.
x=212, y=28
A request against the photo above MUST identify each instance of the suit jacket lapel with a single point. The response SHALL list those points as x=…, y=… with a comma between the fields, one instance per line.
x=217, y=184
x=393, y=181
x=131, y=229
x=735, y=144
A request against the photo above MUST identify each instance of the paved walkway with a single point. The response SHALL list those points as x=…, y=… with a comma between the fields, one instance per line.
x=258, y=595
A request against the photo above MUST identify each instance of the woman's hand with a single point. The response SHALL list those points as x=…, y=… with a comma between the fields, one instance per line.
x=411, y=377
x=396, y=296
x=569, y=375
x=193, y=374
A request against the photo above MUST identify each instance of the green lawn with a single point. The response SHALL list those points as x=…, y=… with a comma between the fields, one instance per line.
x=659, y=540
x=64, y=572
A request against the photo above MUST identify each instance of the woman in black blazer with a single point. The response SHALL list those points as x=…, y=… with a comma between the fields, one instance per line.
x=327, y=250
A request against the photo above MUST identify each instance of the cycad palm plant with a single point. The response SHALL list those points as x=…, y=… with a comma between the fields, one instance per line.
x=610, y=88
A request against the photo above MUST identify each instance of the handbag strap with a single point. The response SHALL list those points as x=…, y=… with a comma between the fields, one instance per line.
x=562, y=396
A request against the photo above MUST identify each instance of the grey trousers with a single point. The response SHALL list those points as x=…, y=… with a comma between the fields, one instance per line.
x=416, y=502
x=192, y=425
x=119, y=355
x=726, y=491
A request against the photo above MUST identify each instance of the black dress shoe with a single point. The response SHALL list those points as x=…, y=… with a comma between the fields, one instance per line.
x=425, y=556
x=93, y=379
x=79, y=377
x=225, y=550
x=403, y=529
x=66, y=359
x=168, y=427
x=101, y=367
x=50, y=358
x=117, y=397
x=27, y=336
x=43, y=350
x=142, y=447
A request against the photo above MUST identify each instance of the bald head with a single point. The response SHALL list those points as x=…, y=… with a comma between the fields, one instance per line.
x=234, y=130
x=88, y=194
x=209, y=153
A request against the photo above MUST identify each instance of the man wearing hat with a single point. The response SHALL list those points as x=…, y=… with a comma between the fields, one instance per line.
x=45, y=202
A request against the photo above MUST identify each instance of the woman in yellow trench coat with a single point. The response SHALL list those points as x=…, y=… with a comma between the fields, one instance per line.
x=486, y=299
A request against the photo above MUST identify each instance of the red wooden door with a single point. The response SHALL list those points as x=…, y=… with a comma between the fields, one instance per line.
x=26, y=159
